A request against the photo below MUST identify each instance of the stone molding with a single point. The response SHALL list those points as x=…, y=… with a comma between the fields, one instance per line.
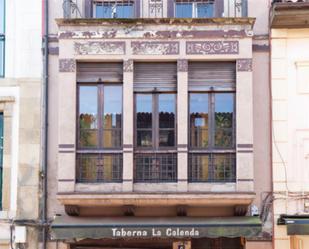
x=212, y=47
x=155, y=48
x=128, y=66
x=100, y=47
x=182, y=65
x=244, y=65
x=67, y=65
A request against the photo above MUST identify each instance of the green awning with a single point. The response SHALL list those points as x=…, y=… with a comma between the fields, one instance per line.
x=297, y=226
x=140, y=227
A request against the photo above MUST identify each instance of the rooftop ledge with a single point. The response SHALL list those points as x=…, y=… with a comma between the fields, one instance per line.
x=156, y=199
x=154, y=21
x=290, y=15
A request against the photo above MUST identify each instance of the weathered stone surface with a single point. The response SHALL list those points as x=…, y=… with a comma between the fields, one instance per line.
x=244, y=65
x=67, y=65
x=155, y=48
x=99, y=47
x=212, y=47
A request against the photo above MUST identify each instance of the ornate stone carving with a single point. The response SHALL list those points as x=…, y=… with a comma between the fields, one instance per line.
x=128, y=66
x=155, y=48
x=182, y=65
x=98, y=47
x=67, y=65
x=244, y=65
x=212, y=47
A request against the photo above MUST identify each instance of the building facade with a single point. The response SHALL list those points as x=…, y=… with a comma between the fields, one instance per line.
x=289, y=78
x=157, y=116
x=20, y=126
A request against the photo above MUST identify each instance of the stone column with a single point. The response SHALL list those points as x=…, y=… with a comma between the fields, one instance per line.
x=182, y=124
x=244, y=126
x=128, y=127
x=67, y=125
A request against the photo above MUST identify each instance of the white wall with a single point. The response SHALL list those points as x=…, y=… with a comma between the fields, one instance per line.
x=23, y=56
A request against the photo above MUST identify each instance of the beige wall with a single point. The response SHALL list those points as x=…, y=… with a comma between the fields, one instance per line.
x=290, y=98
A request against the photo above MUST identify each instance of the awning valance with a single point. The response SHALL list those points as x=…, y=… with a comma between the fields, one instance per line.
x=296, y=225
x=170, y=227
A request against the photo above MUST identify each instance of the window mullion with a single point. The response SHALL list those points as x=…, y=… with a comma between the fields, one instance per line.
x=100, y=115
x=212, y=121
x=155, y=122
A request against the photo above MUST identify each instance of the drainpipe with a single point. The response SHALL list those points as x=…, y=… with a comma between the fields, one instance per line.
x=45, y=127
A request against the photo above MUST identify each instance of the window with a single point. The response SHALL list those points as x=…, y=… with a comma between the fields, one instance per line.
x=114, y=9
x=1, y=157
x=212, y=139
x=194, y=9
x=99, y=156
x=155, y=135
x=2, y=36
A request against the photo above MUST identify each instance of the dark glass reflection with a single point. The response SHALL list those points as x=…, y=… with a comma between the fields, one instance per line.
x=199, y=119
x=167, y=114
x=144, y=119
x=88, y=112
x=224, y=108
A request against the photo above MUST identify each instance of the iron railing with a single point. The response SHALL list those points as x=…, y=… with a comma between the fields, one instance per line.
x=153, y=167
x=153, y=8
x=98, y=167
x=212, y=167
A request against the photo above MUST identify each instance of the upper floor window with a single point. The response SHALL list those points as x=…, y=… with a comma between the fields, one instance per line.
x=2, y=36
x=99, y=122
x=212, y=122
x=100, y=116
x=114, y=9
x=194, y=9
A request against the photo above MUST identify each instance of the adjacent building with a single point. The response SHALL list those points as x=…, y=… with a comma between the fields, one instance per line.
x=20, y=121
x=290, y=122
x=159, y=119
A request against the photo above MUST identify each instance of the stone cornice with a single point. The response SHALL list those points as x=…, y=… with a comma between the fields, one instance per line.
x=155, y=21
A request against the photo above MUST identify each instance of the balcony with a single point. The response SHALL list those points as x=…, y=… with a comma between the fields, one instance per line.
x=290, y=14
x=126, y=9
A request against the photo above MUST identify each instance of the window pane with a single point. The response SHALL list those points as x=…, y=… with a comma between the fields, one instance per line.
x=166, y=138
x=144, y=110
x=124, y=11
x=199, y=167
x=199, y=119
x=2, y=16
x=167, y=110
x=224, y=108
x=183, y=10
x=204, y=10
x=224, y=166
x=144, y=138
x=112, y=106
x=103, y=11
x=1, y=57
x=88, y=102
x=112, y=138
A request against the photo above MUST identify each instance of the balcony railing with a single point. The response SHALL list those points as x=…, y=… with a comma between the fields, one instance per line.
x=152, y=167
x=98, y=167
x=154, y=8
x=212, y=167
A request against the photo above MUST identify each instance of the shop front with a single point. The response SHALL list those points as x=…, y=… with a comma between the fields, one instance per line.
x=167, y=232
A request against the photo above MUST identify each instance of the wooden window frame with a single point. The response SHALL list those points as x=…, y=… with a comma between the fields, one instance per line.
x=100, y=109
x=155, y=148
x=211, y=148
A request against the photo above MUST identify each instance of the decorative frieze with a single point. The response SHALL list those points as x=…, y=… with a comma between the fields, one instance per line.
x=128, y=66
x=67, y=65
x=244, y=65
x=212, y=47
x=155, y=48
x=182, y=65
x=100, y=47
